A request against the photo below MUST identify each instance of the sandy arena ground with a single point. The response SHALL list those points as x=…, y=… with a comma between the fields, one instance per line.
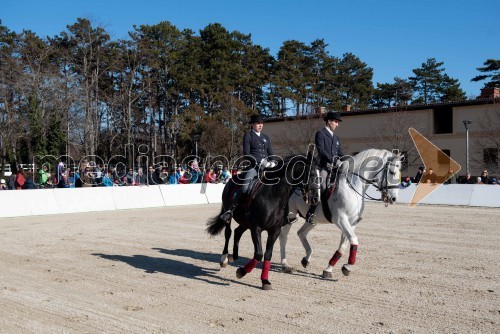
x=428, y=269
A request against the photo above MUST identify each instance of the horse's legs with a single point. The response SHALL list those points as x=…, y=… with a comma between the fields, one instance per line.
x=238, y=232
x=283, y=240
x=225, y=252
x=348, y=237
x=257, y=244
x=302, y=233
x=327, y=273
x=272, y=236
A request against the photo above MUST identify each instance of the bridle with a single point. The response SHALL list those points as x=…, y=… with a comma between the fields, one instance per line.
x=383, y=187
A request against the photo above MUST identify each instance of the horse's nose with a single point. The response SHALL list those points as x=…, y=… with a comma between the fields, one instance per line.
x=393, y=199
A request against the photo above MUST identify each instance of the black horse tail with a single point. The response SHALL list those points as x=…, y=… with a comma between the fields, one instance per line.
x=215, y=225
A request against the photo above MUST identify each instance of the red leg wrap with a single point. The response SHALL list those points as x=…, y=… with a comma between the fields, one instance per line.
x=250, y=265
x=265, y=270
x=335, y=258
x=352, y=254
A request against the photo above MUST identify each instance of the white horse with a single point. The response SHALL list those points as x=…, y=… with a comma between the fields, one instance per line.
x=379, y=168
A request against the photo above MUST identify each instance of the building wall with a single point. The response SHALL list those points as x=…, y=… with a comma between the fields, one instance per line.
x=363, y=130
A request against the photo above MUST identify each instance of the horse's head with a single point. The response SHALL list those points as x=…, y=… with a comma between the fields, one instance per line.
x=379, y=168
x=389, y=183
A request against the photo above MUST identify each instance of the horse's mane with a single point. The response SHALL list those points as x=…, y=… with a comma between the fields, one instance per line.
x=360, y=158
x=280, y=169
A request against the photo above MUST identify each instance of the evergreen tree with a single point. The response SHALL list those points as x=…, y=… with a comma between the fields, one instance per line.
x=432, y=85
x=491, y=69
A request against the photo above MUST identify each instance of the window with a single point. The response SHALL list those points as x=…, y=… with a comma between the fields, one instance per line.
x=443, y=120
x=444, y=159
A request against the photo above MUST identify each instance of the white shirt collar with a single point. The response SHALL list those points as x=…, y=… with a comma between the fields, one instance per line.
x=257, y=133
x=330, y=131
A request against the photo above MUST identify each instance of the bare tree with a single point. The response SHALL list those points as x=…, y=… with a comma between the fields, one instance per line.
x=392, y=134
x=296, y=135
x=487, y=143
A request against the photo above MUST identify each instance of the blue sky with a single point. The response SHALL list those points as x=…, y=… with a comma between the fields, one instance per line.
x=392, y=37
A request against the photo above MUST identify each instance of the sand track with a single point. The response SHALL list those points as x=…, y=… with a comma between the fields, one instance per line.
x=428, y=269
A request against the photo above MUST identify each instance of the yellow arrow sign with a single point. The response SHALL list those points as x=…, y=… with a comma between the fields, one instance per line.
x=439, y=167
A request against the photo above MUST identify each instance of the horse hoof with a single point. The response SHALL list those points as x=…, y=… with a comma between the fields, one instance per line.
x=327, y=274
x=223, y=264
x=240, y=272
x=304, y=262
x=287, y=269
x=266, y=285
x=345, y=270
x=230, y=258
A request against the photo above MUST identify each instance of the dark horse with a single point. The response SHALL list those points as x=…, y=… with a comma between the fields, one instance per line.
x=267, y=210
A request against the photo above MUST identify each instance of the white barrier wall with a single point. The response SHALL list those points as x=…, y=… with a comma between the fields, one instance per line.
x=15, y=203
x=452, y=194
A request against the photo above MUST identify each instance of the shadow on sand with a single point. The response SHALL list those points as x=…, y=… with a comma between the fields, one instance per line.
x=174, y=267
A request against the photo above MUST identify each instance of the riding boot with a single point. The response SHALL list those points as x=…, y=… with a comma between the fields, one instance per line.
x=226, y=216
x=310, y=214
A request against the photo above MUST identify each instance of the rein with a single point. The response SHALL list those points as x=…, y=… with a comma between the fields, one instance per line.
x=382, y=188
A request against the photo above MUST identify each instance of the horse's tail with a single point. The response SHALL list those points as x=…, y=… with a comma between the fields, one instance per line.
x=215, y=225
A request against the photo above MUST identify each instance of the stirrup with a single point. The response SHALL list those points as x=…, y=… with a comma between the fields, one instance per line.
x=290, y=221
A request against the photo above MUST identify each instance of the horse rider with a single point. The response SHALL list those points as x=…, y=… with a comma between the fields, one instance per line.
x=329, y=149
x=257, y=146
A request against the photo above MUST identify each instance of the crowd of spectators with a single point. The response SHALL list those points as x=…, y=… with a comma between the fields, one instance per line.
x=91, y=175
x=449, y=178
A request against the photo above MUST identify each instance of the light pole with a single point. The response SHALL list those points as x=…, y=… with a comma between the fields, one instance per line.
x=466, y=124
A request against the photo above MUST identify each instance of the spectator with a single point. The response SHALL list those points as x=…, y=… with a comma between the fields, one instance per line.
x=186, y=177
x=78, y=180
x=418, y=176
x=234, y=171
x=140, y=178
x=468, y=179
x=164, y=175
x=63, y=181
x=107, y=179
x=406, y=182
x=43, y=176
x=3, y=186
x=209, y=176
x=494, y=181
x=60, y=170
x=12, y=178
x=72, y=179
x=484, y=177
x=29, y=183
x=450, y=177
x=98, y=175
x=224, y=175
x=20, y=179
x=430, y=177
x=153, y=176
x=174, y=177
x=87, y=177
x=130, y=177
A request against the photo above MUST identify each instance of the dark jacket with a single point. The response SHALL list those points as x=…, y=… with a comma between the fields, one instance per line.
x=328, y=147
x=256, y=146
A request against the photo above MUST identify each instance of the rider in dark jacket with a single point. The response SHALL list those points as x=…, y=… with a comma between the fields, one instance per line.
x=257, y=146
x=329, y=149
